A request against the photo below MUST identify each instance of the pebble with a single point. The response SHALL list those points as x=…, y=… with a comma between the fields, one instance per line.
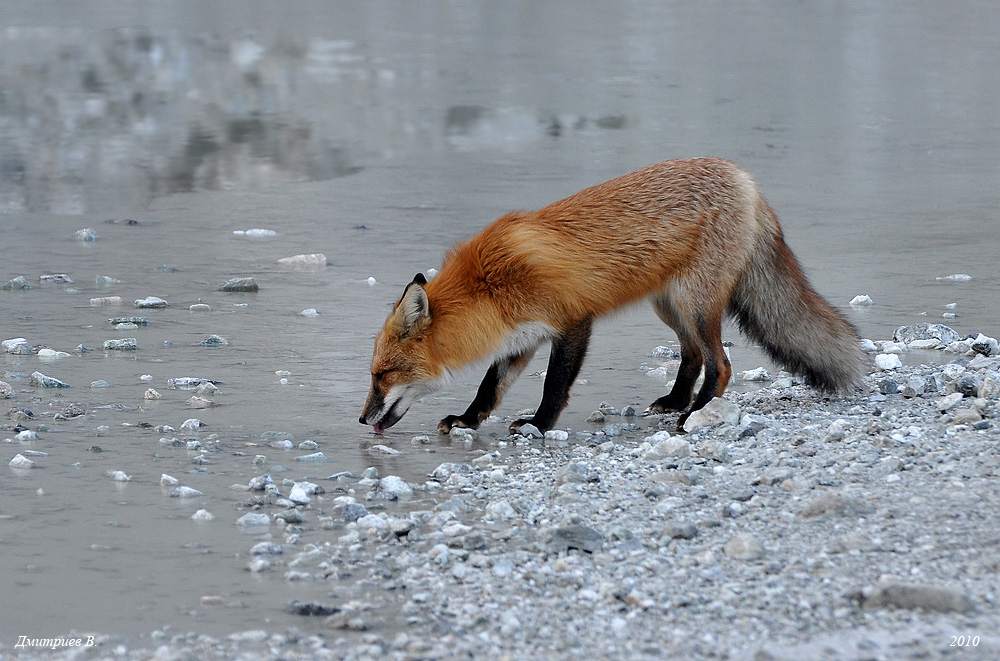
x=168, y=480
x=192, y=424
x=395, y=487
x=151, y=394
x=6, y=390
x=123, y=344
x=887, y=362
x=244, y=284
x=151, y=302
x=254, y=519
x=18, y=283
x=744, y=547
x=314, y=259
x=309, y=312
x=185, y=492
x=119, y=476
x=214, y=341
x=862, y=300
x=85, y=234
x=717, y=412
x=256, y=233
x=314, y=458
x=21, y=462
x=384, y=449
x=758, y=374
x=39, y=379
x=936, y=598
x=138, y=321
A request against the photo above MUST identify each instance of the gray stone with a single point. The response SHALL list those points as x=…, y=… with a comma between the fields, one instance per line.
x=744, y=547
x=939, y=332
x=583, y=538
x=912, y=596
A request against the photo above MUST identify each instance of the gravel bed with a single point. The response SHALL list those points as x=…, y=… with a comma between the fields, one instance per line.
x=864, y=526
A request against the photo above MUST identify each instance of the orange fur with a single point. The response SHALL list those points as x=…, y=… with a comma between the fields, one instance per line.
x=682, y=233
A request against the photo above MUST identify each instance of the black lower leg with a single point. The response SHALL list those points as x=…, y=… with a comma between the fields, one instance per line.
x=680, y=395
x=565, y=360
x=482, y=404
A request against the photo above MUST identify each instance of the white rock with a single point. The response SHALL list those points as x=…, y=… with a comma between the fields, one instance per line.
x=930, y=343
x=202, y=515
x=309, y=312
x=396, y=486
x=20, y=461
x=989, y=389
x=151, y=394
x=886, y=362
x=955, y=277
x=119, y=476
x=192, y=424
x=257, y=233
x=26, y=436
x=716, y=412
x=862, y=300
x=556, y=435
x=372, y=281
x=385, y=449
x=670, y=447
x=11, y=343
x=312, y=259
x=661, y=435
x=185, y=492
x=868, y=345
x=169, y=480
x=298, y=495
x=949, y=402
x=758, y=374
x=254, y=519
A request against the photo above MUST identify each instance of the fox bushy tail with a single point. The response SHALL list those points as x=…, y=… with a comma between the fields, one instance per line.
x=775, y=305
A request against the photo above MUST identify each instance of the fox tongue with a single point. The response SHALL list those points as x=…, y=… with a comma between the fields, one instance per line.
x=378, y=428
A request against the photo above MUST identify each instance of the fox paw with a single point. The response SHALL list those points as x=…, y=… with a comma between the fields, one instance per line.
x=452, y=421
x=667, y=404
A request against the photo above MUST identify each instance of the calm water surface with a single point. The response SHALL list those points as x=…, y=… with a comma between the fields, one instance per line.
x=380, y=136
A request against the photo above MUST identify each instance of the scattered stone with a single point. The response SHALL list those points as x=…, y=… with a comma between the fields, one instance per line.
x=21, y=462
x=311, y=260
x=758, y=374
x=214, y=341
x=151, y=394
x=124, y=344
x=254, y=519
x=887, y=362
x=396, y=488
x=119, y=476
x=744, y=547
x=862, y=300
x=717, y=412
x=596, y=416
x=527, y=430
x=6, y=390
x=39, y=379
x=245, y=284
x=833, y=503
x=185, y=492
x=576, y=472
x=583, y=538
x=18, y=283
x=939, y=332
x=940, y=599
x=151, y=302
x=203, y=515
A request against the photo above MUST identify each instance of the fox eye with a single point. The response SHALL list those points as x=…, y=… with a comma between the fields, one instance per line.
x=379, y=375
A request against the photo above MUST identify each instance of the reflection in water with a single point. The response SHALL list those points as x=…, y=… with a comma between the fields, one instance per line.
x=95, y=120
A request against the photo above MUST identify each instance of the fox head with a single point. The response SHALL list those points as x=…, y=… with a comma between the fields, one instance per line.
x=402, y=368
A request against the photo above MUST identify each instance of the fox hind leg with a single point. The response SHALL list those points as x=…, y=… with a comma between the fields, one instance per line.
x=691, y=358
x=568, y=351
x=498, y=378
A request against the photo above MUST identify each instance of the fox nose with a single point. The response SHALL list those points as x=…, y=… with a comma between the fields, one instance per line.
x=362, y=420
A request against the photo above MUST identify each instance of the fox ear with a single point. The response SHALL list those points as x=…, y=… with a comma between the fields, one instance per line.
x=414, y=309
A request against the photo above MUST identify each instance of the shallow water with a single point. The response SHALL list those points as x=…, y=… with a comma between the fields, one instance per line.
x=380, y=138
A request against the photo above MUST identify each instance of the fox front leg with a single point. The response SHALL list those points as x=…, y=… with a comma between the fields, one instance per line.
x=568, y=351
x=498, y=378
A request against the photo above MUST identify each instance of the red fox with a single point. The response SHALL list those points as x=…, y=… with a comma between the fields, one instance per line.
x=694, y=236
